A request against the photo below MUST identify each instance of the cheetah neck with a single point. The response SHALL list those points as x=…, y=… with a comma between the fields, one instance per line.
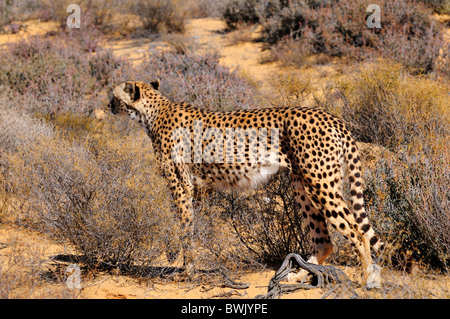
x=146, y=115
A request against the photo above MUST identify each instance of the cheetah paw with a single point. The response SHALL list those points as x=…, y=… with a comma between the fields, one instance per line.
x=374, y=279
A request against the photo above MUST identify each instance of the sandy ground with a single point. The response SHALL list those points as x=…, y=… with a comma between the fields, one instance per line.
x=26, y=29
x=36, y=268
x=27, y=255
x=238, y=52
x=243, y=56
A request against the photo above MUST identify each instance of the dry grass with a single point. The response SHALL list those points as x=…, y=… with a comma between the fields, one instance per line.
x=384, y=104
x=423, y=283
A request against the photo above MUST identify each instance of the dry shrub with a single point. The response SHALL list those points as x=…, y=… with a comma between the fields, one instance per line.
x=216, y=244
x=241, y=12
x=160, y=15
x=385, y=105
x=199, y=80
x=411, y=36
x=407, y=195
x=443, y=62
x=106, y=15
x=338, y=28
x=291, y=52
x=17, y=129
x=406, y=188
x=24, y=270
x=97, y=13
x=253, y=227
x=14, y=10
x=104, y=197
x=439, y=6
x=205, y=8
x=290, y=89
x=76, y=128
x=60, y=75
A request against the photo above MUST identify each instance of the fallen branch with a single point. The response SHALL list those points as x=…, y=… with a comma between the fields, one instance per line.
x=323, y=276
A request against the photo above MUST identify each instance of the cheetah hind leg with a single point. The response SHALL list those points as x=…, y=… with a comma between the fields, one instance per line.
x=301, y=275
x=320, y=240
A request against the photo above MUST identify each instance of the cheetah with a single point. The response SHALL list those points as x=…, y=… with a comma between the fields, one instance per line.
x=242, y=149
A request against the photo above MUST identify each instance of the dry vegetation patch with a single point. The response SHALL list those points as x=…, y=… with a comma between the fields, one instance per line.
x=295, y=30
x=93, y=185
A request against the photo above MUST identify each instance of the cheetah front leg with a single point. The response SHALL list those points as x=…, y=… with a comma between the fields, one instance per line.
x=182, y=189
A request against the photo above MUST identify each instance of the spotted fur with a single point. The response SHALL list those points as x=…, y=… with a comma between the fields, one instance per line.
x=313, y=144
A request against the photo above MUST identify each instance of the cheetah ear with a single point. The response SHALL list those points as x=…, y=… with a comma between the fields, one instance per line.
x=155, y=84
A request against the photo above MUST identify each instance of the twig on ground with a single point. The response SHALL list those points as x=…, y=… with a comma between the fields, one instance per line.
x=324, y=275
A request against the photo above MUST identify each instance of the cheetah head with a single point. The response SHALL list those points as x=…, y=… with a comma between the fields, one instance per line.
x=127, y=96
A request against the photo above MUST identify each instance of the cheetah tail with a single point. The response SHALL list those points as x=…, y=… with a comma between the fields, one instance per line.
x=353, y=160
